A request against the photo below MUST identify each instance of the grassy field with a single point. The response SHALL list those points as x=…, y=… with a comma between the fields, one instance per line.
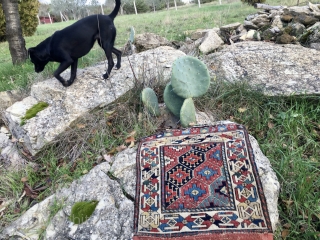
x=170, y=24
x=287, y=128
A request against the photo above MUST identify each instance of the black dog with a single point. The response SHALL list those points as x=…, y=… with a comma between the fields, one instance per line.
x=75, y=41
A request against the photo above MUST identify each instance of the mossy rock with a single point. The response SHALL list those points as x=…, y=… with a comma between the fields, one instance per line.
x=32, y=112
x=172, y=100
x=81, y=211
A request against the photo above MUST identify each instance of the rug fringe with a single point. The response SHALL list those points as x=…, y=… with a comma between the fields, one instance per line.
x=222, y=236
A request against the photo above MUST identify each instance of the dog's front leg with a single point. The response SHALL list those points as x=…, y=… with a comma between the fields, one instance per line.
x=63, y=66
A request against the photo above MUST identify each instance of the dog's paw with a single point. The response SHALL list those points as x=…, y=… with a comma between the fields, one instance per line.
x=105, y=76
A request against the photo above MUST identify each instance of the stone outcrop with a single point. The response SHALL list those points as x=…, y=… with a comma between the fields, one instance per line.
x=88, y=92
x=211, y=42
x=147, y=41
x=113, y=216
x=283, y=25
x=272, y=68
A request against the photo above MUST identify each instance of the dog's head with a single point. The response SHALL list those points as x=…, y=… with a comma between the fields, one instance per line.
x=38, y=58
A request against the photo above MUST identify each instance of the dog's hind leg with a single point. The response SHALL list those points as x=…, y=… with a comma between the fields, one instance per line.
x=118, y=53
x=73, y=75
x=108, y=51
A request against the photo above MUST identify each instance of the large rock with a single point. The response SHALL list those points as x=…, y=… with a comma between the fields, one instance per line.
x=113, y=218
x=88, y=92
x=7, y=98
x=210, y=42
x=272, y=68
x=147, y=41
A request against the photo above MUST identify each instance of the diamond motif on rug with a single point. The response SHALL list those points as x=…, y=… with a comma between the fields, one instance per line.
x=199, y=183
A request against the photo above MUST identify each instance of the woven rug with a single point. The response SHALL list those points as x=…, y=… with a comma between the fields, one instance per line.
x=199, y=183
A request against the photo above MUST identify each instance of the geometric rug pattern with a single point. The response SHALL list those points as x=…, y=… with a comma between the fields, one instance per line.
x=199, y=182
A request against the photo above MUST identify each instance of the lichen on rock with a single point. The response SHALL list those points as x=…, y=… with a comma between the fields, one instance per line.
x=32, y=112
x=81, y=211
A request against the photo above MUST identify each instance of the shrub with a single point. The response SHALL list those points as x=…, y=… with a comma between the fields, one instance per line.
x=252, y=2
x=28, y=10
x=141, y=5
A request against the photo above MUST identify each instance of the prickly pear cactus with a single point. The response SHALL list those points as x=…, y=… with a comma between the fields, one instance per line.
x=172, y=100
x=190, y=77
x=150, y=101
x=188, y=113
x=132, y=32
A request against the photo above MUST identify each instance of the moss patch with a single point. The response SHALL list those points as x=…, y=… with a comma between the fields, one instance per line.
x=33, y=111
x=81, y=211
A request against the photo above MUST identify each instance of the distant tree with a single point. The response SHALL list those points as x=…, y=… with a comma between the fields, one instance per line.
x=17, y=44
x=252, y=2
x=136, y=6
x=155, y=5
x=72, y=8
x=28, y=10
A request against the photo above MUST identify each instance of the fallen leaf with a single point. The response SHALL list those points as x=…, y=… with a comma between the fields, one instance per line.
x=133, y=133
x=270, y=125
x=241, y=110
x=107, y=157
x=81, y=126
x=85, y=171
x=287, y=225
x=109, y=124
x=285, y=233
x=121, y=148
x=131, y=145
x=112, y=151
x=130, y=139
x=14, y=140
x=29, y=191
x=271, y=116
x=288, y=202
x=24, y=179
x=108, y=113
x=231, y=117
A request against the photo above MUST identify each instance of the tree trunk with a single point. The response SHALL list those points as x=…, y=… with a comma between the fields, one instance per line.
x=134, y=5
x=199, y=3
x=17, y=44
x=175, y=4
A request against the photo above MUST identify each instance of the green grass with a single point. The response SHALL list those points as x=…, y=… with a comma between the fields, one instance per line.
x=170, y=24
x=287, y=128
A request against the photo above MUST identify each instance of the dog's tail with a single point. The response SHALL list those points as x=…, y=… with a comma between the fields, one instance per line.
x=115, y=11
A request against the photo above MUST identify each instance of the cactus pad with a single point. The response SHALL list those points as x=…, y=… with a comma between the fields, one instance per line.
x=150, y=101
x=188, y=113
x=132, y=32
x=190, y=77
x=172, y=100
